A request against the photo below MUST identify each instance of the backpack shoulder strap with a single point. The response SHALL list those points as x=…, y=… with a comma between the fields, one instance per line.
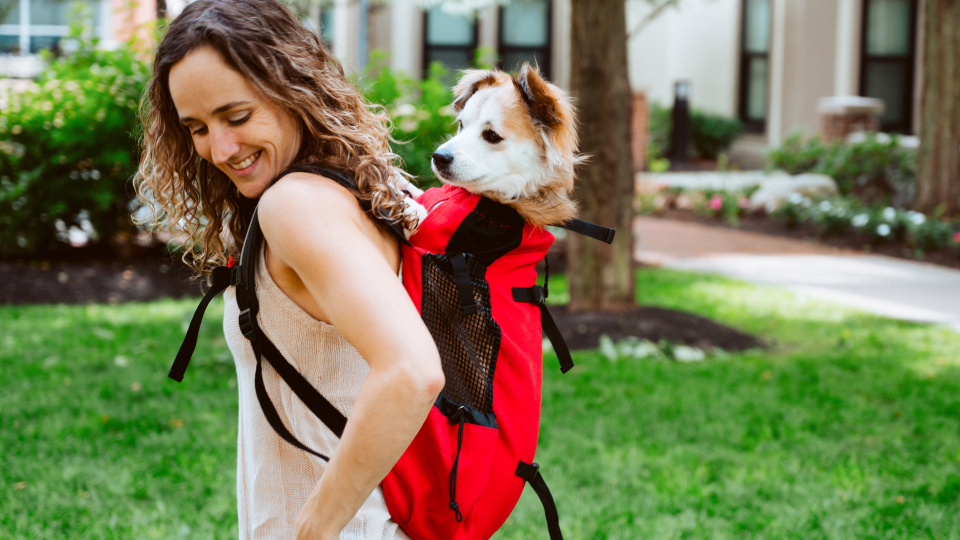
x=264, y=348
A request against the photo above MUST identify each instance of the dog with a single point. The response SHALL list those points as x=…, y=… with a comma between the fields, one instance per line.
x=516, y=143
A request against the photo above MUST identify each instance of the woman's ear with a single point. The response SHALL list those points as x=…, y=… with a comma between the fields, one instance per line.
x=471, y=81
x=538, y=95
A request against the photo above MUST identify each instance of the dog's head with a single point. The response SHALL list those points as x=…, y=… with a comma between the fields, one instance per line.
x=516, y=143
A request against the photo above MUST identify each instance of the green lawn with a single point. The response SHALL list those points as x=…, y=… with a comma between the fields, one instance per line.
x=848, y=427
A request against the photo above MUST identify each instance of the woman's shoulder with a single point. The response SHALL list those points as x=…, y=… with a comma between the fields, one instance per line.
x=307, y=196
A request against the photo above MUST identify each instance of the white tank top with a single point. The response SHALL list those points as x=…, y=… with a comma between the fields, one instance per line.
x=274, y=479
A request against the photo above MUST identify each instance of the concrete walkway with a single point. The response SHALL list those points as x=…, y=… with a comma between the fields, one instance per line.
x=883, y=285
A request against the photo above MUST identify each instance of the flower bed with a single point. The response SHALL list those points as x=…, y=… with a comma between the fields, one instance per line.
x=841, y=221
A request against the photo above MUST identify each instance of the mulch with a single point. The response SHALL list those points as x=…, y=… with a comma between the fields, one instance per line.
x=94, y=281
x=852, y=240
x=582, y=330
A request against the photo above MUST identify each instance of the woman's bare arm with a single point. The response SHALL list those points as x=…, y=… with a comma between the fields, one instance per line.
x=313, y=226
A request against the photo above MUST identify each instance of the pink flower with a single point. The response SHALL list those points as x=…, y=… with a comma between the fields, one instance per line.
x=743, y=202
x=716, y=202
x=956, y=237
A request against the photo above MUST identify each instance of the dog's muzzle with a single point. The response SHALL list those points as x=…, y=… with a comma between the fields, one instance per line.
x=442, y=161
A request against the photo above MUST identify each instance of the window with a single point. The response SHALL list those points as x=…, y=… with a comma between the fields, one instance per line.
x=525, y=35
x=754, y=65
x=450, y=39
x=48, y=21
x=887, y=60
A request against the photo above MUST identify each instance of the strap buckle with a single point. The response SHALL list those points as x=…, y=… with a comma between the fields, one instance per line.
x=247, y=327
x=528, y=471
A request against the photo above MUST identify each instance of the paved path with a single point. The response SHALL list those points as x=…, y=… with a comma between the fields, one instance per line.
x=892, y=287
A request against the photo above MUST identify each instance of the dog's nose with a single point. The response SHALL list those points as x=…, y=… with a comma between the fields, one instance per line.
x=442, y=160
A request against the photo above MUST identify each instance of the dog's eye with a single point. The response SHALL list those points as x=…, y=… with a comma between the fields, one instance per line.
x=491, y=136
x=459, y=126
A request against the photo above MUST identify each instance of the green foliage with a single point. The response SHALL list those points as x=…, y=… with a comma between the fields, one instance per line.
x=710, y=134
x=68, y=148
x=420, y=111
x=840, y=215
x=877, y=169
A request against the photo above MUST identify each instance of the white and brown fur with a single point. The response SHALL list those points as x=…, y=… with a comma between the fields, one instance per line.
x=516, y=144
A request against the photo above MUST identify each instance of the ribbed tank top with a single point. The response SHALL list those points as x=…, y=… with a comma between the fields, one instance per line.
x=274, y=479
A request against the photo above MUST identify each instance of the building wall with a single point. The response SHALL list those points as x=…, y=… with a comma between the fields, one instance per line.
x=697, y=42
x=807, y=60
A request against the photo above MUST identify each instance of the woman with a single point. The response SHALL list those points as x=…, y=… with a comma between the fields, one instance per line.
x=241, y=92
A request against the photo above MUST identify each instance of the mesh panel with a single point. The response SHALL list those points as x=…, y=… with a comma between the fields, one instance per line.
x=468, y=345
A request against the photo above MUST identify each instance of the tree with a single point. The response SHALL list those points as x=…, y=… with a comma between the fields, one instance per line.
x=601, y=276
x=938, y=160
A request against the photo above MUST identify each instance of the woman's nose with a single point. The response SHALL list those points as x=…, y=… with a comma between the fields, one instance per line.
x=223, y=146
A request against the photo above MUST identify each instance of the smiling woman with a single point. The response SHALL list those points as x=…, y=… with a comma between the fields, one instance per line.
x=253, y=70
x=243, y=95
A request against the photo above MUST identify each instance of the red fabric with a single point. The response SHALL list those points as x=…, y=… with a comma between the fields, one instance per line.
x=417, y=490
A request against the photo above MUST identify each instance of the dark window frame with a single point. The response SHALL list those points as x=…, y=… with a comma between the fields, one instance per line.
x=427, y=47
x=546, y=69
x=909, y=62
x=751, y=125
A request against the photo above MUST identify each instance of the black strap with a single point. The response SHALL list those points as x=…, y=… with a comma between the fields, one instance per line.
x=531, y=473
x=249, y=307
x=273, y=417
x=592, y=230
x=537, y=295
x=220, y=279
x=314, y=400
x=461, y=276
x=556, y=339
x=460, y=417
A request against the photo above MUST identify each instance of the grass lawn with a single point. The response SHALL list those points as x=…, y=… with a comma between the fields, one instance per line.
x=848, y=427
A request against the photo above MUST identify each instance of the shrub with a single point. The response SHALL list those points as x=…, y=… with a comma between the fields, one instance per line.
x=420, y=110
x=795, y=156
x=876, y=169
x=710, y=134
x=68, y=148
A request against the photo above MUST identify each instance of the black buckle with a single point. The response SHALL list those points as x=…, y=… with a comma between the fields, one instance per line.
x=246, y=325
x=528, y=471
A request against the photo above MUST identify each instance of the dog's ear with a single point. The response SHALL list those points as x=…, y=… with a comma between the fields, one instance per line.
x=471, y=81
x=538, y=96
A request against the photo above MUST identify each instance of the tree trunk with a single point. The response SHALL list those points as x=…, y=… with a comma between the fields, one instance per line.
x=938, y=160
x=601, y=275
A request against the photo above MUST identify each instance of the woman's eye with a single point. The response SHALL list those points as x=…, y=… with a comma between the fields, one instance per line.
x=198, y=130
x=239, y=120
x=491, y=136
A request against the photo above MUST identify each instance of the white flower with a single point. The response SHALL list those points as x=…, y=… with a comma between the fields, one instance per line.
x=682, y=353
x=795, y=198
x=916, y=218
x=406, y=109
x=859, y=220
x=889, y=214
x=883, y=229
x=825, y=206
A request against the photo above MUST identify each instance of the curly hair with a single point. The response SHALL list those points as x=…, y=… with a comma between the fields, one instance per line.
x=289, y=65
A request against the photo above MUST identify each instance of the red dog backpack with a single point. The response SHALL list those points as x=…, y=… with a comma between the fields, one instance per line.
x=471, y=272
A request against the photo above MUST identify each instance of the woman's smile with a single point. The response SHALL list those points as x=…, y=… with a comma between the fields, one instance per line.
x=245, y=167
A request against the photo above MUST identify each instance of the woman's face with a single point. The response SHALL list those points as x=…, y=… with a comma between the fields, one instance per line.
x=233, y=126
